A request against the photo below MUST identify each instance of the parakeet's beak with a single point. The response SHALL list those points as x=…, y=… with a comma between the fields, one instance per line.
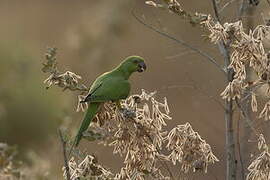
x=142, y=67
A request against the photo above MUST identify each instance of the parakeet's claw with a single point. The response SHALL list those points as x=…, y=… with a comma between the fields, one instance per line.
x=118, y=105
x=128, y=113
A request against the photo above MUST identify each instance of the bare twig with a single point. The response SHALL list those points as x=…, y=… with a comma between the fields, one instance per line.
x=231, y=170
x=225, y=6
x=268, y=2
x=64, y=154
x=194, y=87
x=171, y=57
x=183, y=43
x=198, y=89
x=251, y=89
x=67, y=80
x=241, y=9
x=239, y=149
x=247, y=118
x=216, y=12
x=230, y=145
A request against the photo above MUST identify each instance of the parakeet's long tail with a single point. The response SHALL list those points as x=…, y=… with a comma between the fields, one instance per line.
x=90, y=114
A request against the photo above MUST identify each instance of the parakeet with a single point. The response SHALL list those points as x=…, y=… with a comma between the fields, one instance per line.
x=110, y=86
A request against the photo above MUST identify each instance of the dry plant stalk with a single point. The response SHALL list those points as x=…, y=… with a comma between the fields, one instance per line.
x=189, y=149
x=247, y=51
x=88, y=168
x=66, y=80
x=10, y=169
x=260, y=166
x=137, y=132
x=175, y=7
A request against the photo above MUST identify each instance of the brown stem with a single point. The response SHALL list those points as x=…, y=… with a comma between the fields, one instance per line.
x=199, y=90
x=268, y=2
x=225, y=6
x=242, y=9
x=64, y=154
x=247, y=117
x=231, y=163
x=183, y=43
x=230, y=144
x=239, y=149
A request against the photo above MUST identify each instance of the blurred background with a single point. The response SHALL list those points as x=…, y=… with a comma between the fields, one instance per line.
x=92, y=37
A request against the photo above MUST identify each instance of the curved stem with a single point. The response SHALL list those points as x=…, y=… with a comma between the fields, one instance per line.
x=183, y=43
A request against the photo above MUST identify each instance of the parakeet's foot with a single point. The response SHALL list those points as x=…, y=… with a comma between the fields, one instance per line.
x=118, y=105
x=128, y=113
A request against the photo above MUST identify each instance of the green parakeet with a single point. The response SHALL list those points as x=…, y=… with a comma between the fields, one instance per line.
x=110, y=86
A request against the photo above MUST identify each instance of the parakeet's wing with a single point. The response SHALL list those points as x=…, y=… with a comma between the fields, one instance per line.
x=92, y=90
x=109, y=89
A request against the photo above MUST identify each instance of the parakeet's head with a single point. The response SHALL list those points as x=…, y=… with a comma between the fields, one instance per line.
x=133, y=64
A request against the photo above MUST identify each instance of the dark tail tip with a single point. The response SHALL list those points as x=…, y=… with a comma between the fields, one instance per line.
x=77, y=140
x=74, y=145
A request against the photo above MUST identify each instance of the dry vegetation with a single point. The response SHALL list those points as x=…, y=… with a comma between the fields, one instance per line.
x=138, y=133
x=244, y=52
x=9, y=167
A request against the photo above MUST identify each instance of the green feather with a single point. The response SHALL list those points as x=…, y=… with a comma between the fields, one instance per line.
x=90, y=114
x=110, y=86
